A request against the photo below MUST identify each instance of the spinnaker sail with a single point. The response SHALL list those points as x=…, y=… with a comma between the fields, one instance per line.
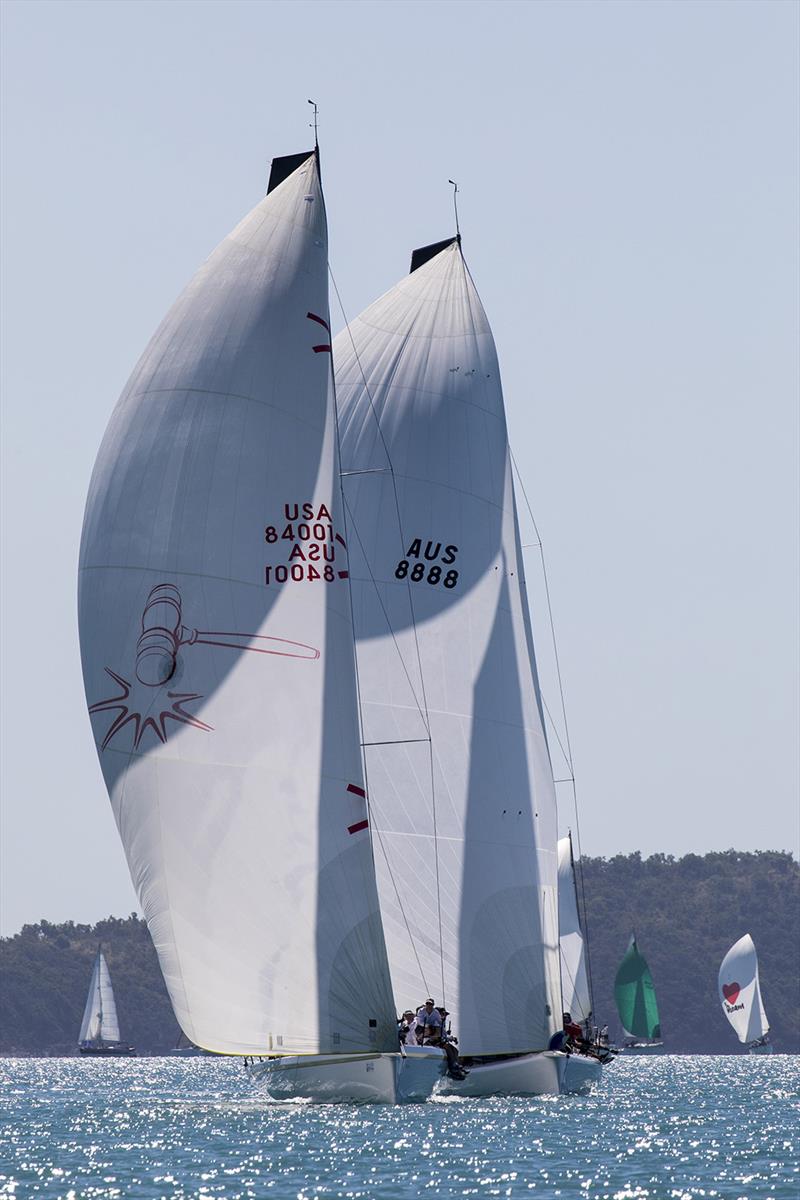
x=218, y=655
x=462, y=799
x=100, y=1022
x=740, y=991
x=635, y=996
x=575, y=995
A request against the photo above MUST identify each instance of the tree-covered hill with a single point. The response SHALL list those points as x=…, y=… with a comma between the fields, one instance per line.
x=44, y=978
x=686, y=913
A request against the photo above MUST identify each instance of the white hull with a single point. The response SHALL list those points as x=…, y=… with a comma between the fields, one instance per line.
x=643, y=1048
x=581, y=1073
x=351, y=1078
x=528, y=1075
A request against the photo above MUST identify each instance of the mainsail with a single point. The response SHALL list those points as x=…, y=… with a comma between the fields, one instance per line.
x=460, y=782
x=635, y=995
x=218, y=657
x=99, y=1022
x=574, y=980
x=740, y=992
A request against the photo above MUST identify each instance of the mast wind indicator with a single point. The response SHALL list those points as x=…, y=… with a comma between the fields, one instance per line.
x=313, y=124
x=455, y=206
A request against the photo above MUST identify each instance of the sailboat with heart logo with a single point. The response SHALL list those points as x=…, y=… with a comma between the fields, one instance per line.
x=740, y=996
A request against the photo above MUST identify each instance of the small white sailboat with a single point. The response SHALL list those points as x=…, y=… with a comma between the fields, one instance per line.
x=740, y=996
x=99, y=1033
x=218, y=658
x=461, y=786
x=582, y=1070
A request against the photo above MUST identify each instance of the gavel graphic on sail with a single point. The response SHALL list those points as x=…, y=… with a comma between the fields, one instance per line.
x=163, y=633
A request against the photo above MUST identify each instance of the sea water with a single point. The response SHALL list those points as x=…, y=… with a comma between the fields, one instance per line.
x=659, y=1127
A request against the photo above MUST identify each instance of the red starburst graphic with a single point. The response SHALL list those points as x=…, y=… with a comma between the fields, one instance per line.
x=157, y=721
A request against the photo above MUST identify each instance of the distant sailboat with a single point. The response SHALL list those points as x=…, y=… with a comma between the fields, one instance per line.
x=99, y=1033
x=575, y=997
x=219, y=666
x=462, y=797
x=635, y=996
x=740, y=996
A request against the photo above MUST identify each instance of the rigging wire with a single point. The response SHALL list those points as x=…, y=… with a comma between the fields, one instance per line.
x=426, y=718
x=568, y=752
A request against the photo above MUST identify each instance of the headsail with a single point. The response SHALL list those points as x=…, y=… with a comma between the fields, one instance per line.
x=635, y=995
x=461, y=787
x=574, y=980
x=740, y=991
x=100, y=1014
x=218, y=657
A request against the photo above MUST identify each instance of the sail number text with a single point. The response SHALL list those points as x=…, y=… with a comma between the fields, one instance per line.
x=433, y=564
x=307, y=540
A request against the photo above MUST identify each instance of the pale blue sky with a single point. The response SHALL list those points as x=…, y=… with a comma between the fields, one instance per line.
x=629, y=200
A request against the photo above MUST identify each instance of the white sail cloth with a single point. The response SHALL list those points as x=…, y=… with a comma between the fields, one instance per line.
x=574, y=980
x=740, y=992
x=218, y=658
x=100, y=1014
x=461, y=787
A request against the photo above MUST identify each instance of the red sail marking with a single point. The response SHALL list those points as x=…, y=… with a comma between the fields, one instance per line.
x=356, y=790
x=320, y=320
x=344, y=574
x=731, y=992
x=341, y=540
x=359, y=825
x=322, y=349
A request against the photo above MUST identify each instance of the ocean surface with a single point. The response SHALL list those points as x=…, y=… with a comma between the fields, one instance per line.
x=168, y=1127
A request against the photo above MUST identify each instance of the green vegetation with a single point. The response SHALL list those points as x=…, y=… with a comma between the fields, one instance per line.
x=44, y=977
x=686, y=913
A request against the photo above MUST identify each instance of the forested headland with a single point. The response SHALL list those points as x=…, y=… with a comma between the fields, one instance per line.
x=686, y=913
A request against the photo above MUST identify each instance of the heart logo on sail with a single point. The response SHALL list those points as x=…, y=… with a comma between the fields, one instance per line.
x=731, y=992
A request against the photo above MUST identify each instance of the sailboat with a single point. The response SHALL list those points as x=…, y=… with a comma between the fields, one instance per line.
x=99, y=1034
x=740, y=996
x=576, y=1000
x=635, y=996
x=462, y=798
x=219, y=667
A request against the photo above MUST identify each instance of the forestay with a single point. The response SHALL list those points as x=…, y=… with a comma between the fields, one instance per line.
x=218, y=655
x=740, y=992
x=574, y=981
x=459, y=776
x=100, y=1014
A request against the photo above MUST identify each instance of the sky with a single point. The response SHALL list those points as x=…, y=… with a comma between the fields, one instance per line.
x=629, y=204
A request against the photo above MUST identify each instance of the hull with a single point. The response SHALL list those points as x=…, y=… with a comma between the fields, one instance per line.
x=581, y=1073
x=527, y=1075
x=765, y=1048
x=351, y=1078
x=643, y=1048
x=107, y=1051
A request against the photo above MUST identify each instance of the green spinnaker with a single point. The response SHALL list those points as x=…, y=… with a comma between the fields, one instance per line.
x=635, y=995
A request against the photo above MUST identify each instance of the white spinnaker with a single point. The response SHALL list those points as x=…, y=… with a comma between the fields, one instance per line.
x=574, y=981
x=464, y=823
x=237, y=782
x=740, y=993
x=100, y=1013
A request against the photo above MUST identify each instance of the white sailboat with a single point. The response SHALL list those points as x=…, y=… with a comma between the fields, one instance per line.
x=99, y=1033
x=462, y=797
x=582, y=1070
x=740, y=996
x=218, y=658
